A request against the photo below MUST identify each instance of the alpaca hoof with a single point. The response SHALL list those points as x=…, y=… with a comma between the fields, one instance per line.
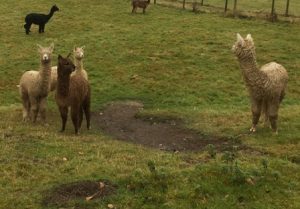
x=253, y=129
x=25, y=119
x=275, y=132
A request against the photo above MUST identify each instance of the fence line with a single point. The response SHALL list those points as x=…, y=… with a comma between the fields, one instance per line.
x=272, y=13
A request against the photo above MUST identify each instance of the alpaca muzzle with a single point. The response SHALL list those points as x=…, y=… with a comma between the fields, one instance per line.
x=45, y=57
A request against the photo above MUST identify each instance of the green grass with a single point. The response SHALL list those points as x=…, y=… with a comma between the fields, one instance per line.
x=183, y=66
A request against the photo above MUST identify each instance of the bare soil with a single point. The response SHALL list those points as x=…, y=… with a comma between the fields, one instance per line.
x=119, y=120
x=64, y=193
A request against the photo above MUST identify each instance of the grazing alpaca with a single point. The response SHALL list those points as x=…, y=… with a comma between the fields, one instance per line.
x=78, y=56
x=140, y=4
x=266, y=85
x=73, y=91
x=39, y=19
x=35, y=85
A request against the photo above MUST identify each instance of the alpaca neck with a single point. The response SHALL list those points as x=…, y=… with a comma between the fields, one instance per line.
x=63, y=83
x=45, y=77
x=79, y=64
x=50, y=14
x=252, y=75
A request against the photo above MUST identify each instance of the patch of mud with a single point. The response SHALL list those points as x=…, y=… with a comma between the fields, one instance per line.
x=119, y=120
x=84, y=190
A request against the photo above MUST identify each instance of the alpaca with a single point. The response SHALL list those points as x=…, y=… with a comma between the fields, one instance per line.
x=39, y=19
x=73, y=91
x=266, y=85
x=78, y=56
x=140, y=4
x=34, y=86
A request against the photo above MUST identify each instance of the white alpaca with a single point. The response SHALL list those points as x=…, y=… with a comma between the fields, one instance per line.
x=266, y=84
x=35, y=85
x=78, y=56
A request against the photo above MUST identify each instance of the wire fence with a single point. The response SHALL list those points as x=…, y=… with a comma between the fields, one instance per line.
x=271, y=9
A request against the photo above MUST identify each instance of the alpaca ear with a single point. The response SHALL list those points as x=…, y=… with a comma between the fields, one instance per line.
x=74, y=48
x=240, y=39
x=39, y=47
x=51, y=47
x=249, y=38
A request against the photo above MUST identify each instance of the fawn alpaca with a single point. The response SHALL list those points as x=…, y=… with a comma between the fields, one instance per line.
x=34, y=86
x=74, y=92
x=140, y=4
x=39, y=19
x=266, y=84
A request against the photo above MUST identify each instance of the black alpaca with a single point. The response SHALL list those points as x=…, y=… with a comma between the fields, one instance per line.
x=39, y=19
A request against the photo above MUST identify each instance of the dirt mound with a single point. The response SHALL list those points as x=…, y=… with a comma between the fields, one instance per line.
x=84, y=190
x=119, y=120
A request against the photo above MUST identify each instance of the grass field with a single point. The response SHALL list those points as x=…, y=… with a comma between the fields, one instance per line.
x=183, y=65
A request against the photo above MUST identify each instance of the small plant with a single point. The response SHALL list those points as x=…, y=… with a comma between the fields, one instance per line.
x=211, y=149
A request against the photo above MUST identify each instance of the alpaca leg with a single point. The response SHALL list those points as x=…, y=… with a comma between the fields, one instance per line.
x=64, y=115
x=80, y=116
x=34, y=108
x=26, y=106
x=75, y=117
x=43, y=105
x=281, y=96
x=27, y=28
x=40, y=28
x=87, y=111
x=265, y=112
x=256, y=110
x=273, y=114
x=144, y=10
x=132, y=10
x=43, y=28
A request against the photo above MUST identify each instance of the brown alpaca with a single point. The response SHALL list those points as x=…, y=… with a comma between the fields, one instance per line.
x=140, y=4
x=73, y=91
x=266, y=84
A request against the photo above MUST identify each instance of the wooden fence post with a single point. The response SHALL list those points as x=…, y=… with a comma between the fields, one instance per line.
x=273, y=8
x=234, y=7
x=287, y=8
x=183, y=4
x=226, y=3
x=202, y=2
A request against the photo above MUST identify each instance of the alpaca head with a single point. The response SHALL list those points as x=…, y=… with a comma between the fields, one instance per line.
x=243, y=47
x=45, y=53
x=78, y=52
x=54, y=8
x=65, y=66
